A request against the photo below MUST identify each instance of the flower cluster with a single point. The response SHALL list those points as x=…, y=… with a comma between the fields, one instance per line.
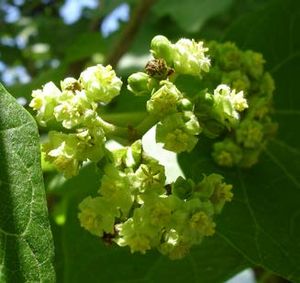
x=178, y=126
x=220, y=110
x=243, y=71
x=226, y=97
x=74, y=107
x=174, y=109
x=136, y=208
x=185, y=56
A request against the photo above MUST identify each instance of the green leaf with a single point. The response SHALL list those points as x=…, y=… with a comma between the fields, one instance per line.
x=262, y=222
x=26, y=248
x=191, y=14
x=87, y=259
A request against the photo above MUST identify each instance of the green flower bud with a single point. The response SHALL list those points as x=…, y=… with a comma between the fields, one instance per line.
x=192, y=205
x=227, y=153
x=254, y=64
x=183, y=188
x=214, y=193
x=100, y=83
x=68, y=151
x=267, y=85
x=250, y=157
x=236, y=80
x=202, y=223
x=178, y=131
x=117, y=157
x=213, y=47
x=205, y=189
x=229, y=56
x=179, y=141
x=250, y=134
x=165, y=100
x=185, y=105
x=44, y=101
x=207, y=207
x=259, y=107
x=97, y=215
x=60, y=150
x=158, y=209
x=213, y=129
x=129, y=157
x=141, y=84
x=90, y=144
x=116, y=188
x=189, y=57
x=135, y=235
x=173, y=246
x=203, y=105
x=161, y=47
x=191, y=125
x=221, y=195
x=180, y=251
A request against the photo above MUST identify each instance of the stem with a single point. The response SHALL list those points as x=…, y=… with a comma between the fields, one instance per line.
x=128, y=133
x=135, y=125
x=126, y=119
x=266, y=276
x=112, y=130
x=146, y=125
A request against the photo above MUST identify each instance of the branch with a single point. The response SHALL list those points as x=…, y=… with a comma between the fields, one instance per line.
x=127, y=37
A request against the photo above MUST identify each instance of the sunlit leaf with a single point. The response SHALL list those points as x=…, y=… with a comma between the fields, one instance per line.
x=26, y=247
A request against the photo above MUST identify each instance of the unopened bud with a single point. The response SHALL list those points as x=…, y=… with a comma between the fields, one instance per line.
x=140, y=84
x=161, y=47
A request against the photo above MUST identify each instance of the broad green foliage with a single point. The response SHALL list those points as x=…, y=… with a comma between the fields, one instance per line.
x=262, y=222
x=26, y=248
x=191, y=14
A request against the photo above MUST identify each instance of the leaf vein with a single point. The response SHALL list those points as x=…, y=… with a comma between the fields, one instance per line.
x=283, y=168
x=286, y=146
x=35, y=258
x=230, y=243
x=17, y=127
x=251, y=211
x=283, y=62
